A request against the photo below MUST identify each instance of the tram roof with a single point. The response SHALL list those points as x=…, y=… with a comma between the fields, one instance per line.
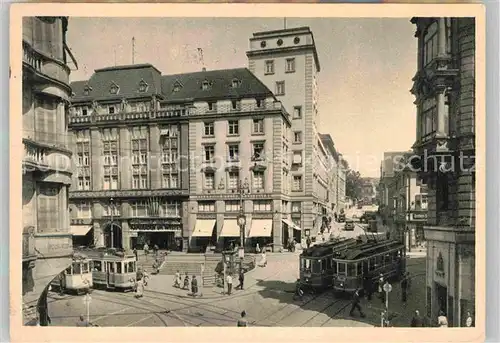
x=366, y=249
x=93, y=253
x=329, y=247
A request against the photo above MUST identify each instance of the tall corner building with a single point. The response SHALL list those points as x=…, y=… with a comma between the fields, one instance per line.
x=46, y=162
x=444, y=88
x=287, y=62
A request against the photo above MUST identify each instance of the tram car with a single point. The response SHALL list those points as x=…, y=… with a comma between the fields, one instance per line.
x=77, y=278
x=367, y=260
x=316, y=270
x=113, y=270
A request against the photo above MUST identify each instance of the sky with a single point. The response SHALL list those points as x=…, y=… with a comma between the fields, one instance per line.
x=366, y=68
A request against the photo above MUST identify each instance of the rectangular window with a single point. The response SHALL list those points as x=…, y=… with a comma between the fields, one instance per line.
x=111, y=209
x=83, y=210
x=170, y=181
x=290, y=65
x=209, y=182
x=297, y=112
x=233, y=180
x=139, y=209
x=233, y=153
x=212, y=106
x=209, y=129
x=297, y=183
x=297, y=157
x=258, y=151
x=297, y=137
x=296, y=207
x=111, y=109
x=269, y=67
x=232, y=206
x=262, y=205
x=280, y=88
x=233, y=128
x=258, y=126
x=260, y=103
x=171, y=209
x=429, y=117
x=209, y=153
x=83, y=183
x=431, y=42
x=206, y=206
x=235, y=105
x=258, y=179
x=48, y=207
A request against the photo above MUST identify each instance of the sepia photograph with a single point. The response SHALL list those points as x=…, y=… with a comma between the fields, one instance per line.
x=278, y=171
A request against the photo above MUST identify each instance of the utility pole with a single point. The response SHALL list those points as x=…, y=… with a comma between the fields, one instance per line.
x=133, y=50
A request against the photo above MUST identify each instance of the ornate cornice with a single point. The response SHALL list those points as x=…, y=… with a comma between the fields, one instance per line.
x=133, y=193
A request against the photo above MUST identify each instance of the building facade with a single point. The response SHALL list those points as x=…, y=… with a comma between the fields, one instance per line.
x=286, y=61
x=47, y=164
x=131, y=185
x=444, y=87
x=162, y=159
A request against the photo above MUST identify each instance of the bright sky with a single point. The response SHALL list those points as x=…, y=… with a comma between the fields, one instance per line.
x=366, y=68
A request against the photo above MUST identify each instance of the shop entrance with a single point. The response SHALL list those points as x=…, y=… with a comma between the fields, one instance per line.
x=165, y=240
x=442, y=298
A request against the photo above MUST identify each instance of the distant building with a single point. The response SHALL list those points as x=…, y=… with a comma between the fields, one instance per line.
x=171, y=152
x=47, y=164
x=286, y=61
x=444, y=87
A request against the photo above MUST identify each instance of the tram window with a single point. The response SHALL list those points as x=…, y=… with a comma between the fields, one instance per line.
x=118, y=267
x=379, y=260
x=342, y=269
x=97, y=266
x=68, y=271
x=359, y=268
x=328, y=263
x=85, y=267
x=76, y=268
x=307, y=264
x=111, y=267
x=365, y=266
x=130, y=267
x=394, y=255
x=316, y=266
x=351, y=269
x=334, y=266
x=387, y=258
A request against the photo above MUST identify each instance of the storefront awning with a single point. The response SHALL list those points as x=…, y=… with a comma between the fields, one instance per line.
x=204, y=228
x=261, y=228
x=230, y=228
x=80, y=230
x=291, y=224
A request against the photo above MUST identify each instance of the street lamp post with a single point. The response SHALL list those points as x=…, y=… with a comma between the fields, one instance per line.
x=242, y=187
x=111, y=205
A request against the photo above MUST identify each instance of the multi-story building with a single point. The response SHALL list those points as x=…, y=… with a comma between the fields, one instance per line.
x=47, y=163
x=131, y=184
x=444, y=87
x=286, y=61
x=162, y=159
x=342, y=200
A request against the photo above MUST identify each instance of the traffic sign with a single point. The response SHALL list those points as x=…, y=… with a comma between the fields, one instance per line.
x=387, y=287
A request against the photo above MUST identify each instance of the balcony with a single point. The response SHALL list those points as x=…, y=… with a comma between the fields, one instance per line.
x=34, y=157
x=45, y=66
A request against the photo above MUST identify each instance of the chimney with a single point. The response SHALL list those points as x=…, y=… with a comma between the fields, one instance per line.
x=203, y=69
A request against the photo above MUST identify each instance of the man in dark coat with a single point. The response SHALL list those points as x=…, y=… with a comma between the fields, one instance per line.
x=308, y=242
x=241, y=278
x=355, y=305
x=194, y=286
x=404, y=289
x=417, y=321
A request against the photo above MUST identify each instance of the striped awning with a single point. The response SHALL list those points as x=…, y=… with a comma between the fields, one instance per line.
x=204, y=228
x=261, y=228
x=291, y=224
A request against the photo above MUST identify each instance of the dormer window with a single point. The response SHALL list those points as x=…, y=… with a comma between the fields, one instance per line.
x=236, y=83
x=143, y=86
x=86, y=90
x=114, y=89
x=177, y=86
x=206, y=85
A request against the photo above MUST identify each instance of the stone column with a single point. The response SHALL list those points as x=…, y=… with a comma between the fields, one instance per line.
x=442, y=37
x=419, y=122
x=441, y=130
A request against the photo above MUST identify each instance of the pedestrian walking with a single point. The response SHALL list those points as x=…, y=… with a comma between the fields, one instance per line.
x=139, y=290
x=186, y=282
x=417, y=321
x=194, y=286
x=404, y=289
x=242, y=321
x=177, y=281
x=442, y=320
x=381, y=292
x=355, y=304
x=469, y=322
x=257, y=248
x=135, y=253
x=229, y=281
x=155, y=250
x=146, y=249
x=308, y=242
x=241, y=279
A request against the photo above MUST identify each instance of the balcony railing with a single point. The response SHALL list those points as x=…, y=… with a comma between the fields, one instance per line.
x=45, y=65
x=78, y=118
x=34, y=156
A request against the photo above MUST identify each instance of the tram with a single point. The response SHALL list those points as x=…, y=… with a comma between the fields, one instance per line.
x=316, y=270
x=77, y=278
x=113, y=270
x=367, y=259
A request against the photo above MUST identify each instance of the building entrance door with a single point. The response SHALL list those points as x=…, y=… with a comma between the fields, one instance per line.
x=442, y=298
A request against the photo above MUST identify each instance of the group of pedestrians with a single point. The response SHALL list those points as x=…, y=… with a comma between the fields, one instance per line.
x=229, y=281
x=193, y=282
